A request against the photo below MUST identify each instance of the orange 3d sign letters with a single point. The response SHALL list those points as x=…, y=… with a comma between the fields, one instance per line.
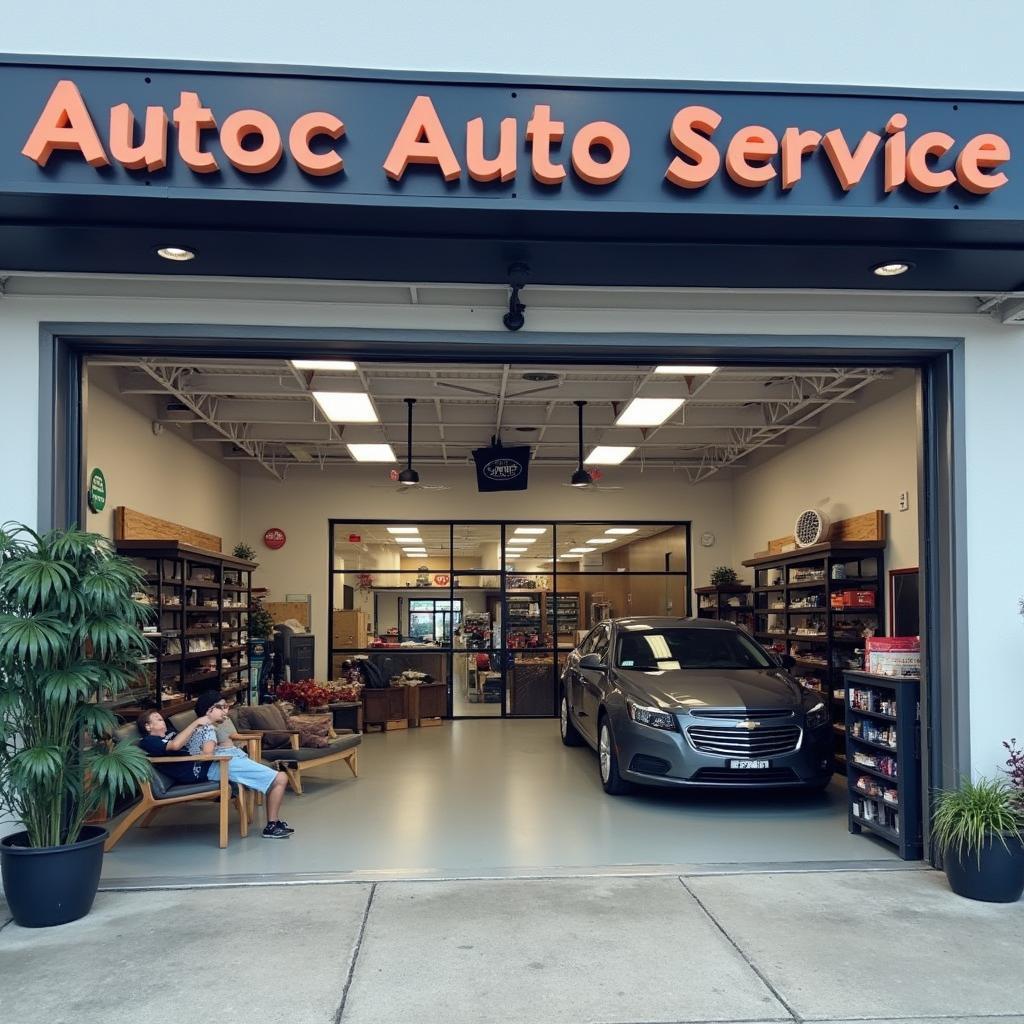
x=487, y=151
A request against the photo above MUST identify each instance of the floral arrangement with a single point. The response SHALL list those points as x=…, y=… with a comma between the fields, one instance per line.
x=364, y=580
x=305, y=694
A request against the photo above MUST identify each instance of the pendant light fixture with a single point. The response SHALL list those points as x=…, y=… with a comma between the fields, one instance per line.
x=409, y=475
x=581, y=478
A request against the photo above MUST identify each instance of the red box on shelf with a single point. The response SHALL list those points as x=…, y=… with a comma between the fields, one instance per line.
x=893, y=655
x=859, y=598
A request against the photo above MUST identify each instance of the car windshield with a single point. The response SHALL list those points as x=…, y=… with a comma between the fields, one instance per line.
x=669, y=649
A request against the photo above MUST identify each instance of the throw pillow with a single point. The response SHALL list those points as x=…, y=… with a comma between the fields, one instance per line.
x=268, y=717
x=314, y=730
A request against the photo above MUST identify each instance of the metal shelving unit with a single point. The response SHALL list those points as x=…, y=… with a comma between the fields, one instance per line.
x=883, y=750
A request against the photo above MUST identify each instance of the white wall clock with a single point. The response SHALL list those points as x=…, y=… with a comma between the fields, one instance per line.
x=707, y=539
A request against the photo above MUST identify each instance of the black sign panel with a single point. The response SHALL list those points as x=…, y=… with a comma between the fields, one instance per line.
x=502, y=469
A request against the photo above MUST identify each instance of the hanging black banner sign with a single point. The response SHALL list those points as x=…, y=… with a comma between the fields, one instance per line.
x=502, y=469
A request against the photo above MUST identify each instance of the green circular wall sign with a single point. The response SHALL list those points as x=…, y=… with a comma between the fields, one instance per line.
x=97, y=490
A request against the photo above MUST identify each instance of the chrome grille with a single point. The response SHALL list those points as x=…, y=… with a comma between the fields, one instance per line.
x=768, y=741
x=738, y=714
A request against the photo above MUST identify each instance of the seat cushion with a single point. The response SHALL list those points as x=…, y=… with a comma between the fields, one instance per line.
x=339, y=745
x=164, y=788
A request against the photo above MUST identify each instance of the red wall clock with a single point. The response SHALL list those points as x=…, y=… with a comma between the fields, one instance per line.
x=274, y=538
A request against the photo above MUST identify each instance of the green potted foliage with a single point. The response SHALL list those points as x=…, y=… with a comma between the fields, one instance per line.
x=722, y=576
x=977, y=830
x=243, y=551
x=69, y=631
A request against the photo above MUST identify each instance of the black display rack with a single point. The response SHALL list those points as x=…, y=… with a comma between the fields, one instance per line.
x=794, y=597
x=883, y=759
x=200, y=603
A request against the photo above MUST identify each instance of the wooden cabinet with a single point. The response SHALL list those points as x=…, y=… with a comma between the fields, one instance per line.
x=349, y=629
x=386, y=708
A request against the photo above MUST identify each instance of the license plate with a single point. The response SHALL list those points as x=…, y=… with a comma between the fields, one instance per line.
x=749, y=764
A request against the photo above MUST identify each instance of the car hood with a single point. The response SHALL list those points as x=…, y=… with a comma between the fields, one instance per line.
x=692, y=689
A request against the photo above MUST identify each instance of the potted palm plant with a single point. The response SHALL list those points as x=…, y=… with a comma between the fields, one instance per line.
x=977, y=829
x=69, y=633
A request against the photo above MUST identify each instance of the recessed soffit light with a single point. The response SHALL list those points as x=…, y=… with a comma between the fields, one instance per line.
x=891, y=269
x=581, y=551
x=621, y=531
x=531, y=529
x=648, y=412
x=601, y=540
x=176, y=253
x=403, y=529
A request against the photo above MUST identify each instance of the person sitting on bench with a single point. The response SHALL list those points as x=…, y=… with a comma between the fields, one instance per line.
x=200, y=737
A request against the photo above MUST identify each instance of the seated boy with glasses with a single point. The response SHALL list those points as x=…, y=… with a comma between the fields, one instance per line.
x=201, y=737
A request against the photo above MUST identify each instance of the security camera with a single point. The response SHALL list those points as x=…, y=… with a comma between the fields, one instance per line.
x=514, y=318
x=518, y=273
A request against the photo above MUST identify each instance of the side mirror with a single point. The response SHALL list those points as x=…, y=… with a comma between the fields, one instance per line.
x=787, y=661
x=592, y=661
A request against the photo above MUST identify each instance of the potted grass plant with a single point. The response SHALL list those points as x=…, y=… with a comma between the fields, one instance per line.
x=977, y=830
x=70, y=631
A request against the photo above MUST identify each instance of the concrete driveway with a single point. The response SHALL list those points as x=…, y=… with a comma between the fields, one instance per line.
x=878, y=944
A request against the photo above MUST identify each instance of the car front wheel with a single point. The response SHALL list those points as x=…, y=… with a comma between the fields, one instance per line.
x=570, y=734
x=608, y=762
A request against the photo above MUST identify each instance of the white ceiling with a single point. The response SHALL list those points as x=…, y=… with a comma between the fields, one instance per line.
x=263, y=412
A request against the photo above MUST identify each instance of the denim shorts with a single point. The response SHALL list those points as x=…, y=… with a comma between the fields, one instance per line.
x=243, y=770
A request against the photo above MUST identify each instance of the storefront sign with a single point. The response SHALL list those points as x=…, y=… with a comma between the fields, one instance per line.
x=97, y=493
x=274, y=538
x=598, y=153
x=681, y=184
x=502, y=469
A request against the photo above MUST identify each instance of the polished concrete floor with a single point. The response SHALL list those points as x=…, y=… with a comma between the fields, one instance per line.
x=481, y=798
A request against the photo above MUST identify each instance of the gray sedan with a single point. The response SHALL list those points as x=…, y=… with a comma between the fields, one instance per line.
x=692, y=702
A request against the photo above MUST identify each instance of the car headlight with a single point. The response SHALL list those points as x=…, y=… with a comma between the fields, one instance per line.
x=817, y=716
x=651, y=717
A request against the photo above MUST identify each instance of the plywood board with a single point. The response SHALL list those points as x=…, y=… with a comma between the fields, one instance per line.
x=869, y=526
x=132, y=525
x=280, y=611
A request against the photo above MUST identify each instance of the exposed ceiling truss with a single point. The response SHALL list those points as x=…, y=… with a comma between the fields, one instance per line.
x=263, y=411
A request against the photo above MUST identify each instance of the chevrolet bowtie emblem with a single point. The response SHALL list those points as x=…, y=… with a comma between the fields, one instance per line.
x=748, y=725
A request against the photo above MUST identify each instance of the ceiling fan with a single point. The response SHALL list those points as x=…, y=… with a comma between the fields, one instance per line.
x=583, y=479
x=408, y=479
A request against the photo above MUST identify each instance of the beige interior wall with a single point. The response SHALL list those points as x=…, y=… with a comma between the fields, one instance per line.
x=164, y=476
x=858, y=465
x=302, y=505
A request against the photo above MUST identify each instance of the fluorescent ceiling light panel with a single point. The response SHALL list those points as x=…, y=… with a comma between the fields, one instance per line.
x=601, y=540
x=403, y=529
x=324, y=364
x=581, y=551
x=414, y=551
x=521, y=540
x=372, y=452
x=515, y=551
x=531, y=529
x=690, y=371
x=508, y=558
x=346, y=406
x=648, y=412
x=621, y=531
x=609, y=455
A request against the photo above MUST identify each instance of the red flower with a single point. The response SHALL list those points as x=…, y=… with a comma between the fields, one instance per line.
x=305, y=694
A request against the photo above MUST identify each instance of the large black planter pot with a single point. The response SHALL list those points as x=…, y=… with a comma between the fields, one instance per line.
x=51, y=885
x=1000, y=877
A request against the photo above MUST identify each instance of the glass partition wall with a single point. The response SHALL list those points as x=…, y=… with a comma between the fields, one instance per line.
x=493, y=609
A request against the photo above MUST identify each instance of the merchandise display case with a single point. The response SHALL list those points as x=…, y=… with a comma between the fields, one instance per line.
x=819, y=605
x=730, y=602
x=199, y=631
x=883, y=745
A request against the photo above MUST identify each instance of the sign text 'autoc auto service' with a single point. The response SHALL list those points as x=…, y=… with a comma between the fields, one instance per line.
x=753, y=156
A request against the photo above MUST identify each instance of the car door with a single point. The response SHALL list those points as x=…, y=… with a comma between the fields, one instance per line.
x=573, y=680
x=594, y=681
